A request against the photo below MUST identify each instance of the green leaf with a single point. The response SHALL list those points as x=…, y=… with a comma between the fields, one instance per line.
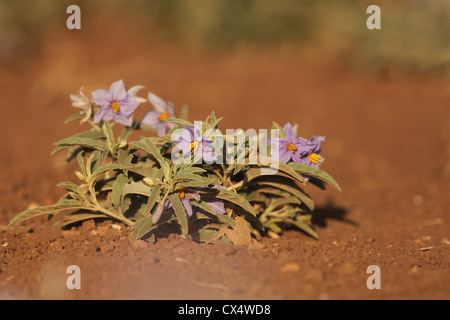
x=106, y=167
x=207, y=235
x=180, y=122
x=211, y=214
x=156, y=192
x=92, y=162
x=314, y=172
x=86, y=142
x=236, y=199
x=69, y=186
x=292, y=188
x=74, y=117
x=117, y=189
x=302, y=225
x=136, y=188
x=213, y=121
x=126, y=132
x=276, y=167
x=91, y=133
x=242, y=203
x=108, y=133
x=81, y=162
x=194, y=183
x=281, y=132
x=52, y=209
x=184, y=112
x=275, y=203
x=147, y=145
x=77, y=217
x=142, y=227
x=190, y=169
x=179, y=212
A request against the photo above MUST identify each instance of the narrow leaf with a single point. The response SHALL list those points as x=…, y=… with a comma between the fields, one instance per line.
x=314, y=172
x=179, y=212
x=117, y=189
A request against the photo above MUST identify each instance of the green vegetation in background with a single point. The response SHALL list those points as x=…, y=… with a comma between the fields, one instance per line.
x=414, y=34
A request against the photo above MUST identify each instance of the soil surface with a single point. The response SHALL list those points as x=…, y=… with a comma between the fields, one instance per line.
x=386, y=145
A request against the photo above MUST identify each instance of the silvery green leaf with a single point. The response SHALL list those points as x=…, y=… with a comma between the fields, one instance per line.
x=179, y=212
x=107, y=130
x=155, y=194
x=314, y=172
x=304, y=226
x=43, y=210
x=147, y=145
x=116, y=193
x=78, y=217
x=291, y=188
x=85, y=142
x=180, y=122
x=184, y=112
x=74, y=117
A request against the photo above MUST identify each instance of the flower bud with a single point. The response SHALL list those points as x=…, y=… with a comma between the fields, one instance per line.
x=123, y=144
x=151, y=181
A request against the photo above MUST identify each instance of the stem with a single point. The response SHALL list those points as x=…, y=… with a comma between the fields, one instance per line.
x=98, y=207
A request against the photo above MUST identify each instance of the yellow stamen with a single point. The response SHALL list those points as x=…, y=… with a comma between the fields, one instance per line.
x=194, y=146
x=115, y=107
x=314, y=157
x=163, y=116
x=292, y=148
x=181, y=193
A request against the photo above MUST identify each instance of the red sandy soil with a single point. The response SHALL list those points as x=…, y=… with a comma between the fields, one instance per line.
x=385, y=146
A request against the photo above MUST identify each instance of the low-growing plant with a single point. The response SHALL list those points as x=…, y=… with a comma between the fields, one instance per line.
x=190, y=176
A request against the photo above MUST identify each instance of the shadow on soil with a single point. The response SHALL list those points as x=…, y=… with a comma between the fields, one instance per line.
x=330, y=212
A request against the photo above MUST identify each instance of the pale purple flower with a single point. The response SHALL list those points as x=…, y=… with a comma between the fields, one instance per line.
x=82, y=102
x=216, y=205
x=133, y=91
x=191, y=142
x=155, y=118
x=116, y=104
x=298, y=149
x=311, y=151
x=186, y=195
x=290, y=147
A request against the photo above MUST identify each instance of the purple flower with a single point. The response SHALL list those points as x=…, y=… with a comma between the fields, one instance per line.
x=216, y=205
x=311, y=151
x=186, y=195
x=132, y=93
x=288, y=148
x=191, y=142
x=116, y=103
x=155, y=118
x=298, y=149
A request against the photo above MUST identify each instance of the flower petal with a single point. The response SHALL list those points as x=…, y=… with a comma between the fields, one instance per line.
x=150, y=118
x=284, y=155
x=102, y=97
x=187, y=206
x=118, y=91
x=216, y=205
x=159, y=104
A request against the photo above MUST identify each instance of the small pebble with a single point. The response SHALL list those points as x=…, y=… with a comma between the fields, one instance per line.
x=290, y=267
x=417, y=200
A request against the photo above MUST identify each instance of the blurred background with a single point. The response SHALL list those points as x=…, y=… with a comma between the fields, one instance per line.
x=414, y=37
x=310, y=62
